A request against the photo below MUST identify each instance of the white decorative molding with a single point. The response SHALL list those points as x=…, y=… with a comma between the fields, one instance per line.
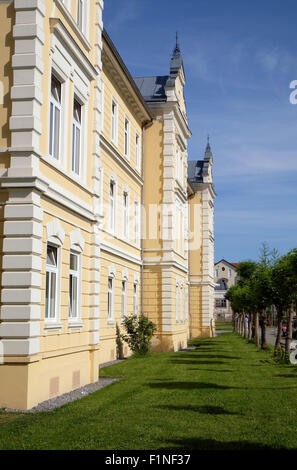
x=55, y=232
x=125, y=275
x=136, y=278
x=77, y=242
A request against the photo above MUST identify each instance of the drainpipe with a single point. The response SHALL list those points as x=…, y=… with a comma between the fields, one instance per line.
x=145, y=127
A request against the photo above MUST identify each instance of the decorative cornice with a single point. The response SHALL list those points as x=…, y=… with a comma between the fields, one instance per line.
x=112, y=61
x=58, y=27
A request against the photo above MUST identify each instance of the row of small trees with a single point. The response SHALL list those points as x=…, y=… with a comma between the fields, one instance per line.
x=270, y=281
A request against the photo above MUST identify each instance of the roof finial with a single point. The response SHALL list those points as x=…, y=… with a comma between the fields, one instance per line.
x=208, y=152
x=177, y=48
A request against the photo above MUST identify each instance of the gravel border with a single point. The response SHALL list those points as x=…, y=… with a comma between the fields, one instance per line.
x=76, y=394
x=110, y=363
x=61, y=400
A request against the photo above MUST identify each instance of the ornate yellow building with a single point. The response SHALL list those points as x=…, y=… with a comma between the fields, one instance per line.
x=94, y=202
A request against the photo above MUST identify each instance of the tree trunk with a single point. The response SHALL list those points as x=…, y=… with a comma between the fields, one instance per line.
x=257, y=329
x=250, y=327
x=289, y=330
x=242, y=325
x=279, y=330
x=263, y=330
x=253, y=325
x=245, y=334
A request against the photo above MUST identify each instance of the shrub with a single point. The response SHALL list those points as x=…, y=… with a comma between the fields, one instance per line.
x=139, y=332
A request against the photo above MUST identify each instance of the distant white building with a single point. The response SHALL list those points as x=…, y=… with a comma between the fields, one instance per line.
x=225, y=276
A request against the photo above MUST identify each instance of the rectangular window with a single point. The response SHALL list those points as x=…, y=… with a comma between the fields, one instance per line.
x=216, y=273
x=110, y=298
x=221, y=303
x=176, y=302
x=135, y=298
x=112, y=205
x=137, y=151
x=73, y=285
x=114, y=122
x=80, y=14
x=55, y=118
x=76, y=137
x=125, y=215
x=230, y=273
x=127, y=138
x=181, y=304
x=136, y=222
x=181, y=170
x=51, y=282
x=124, y=299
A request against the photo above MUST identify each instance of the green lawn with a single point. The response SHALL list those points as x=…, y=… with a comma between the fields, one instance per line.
x=224, y=325
x=223, y=395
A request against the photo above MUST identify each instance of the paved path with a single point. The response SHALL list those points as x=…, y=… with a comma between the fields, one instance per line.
x=270, y=335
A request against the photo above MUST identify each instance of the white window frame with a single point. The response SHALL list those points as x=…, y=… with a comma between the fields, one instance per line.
x=114, y=121
x=102, y=104
x=176, y=301
x=80, y=15
x=127, y=137
x=135, y=298
x=75, y=274
x=181, y=171
x=124, y=298
x=181, y=303
x=76, y=127
x=110, y=298
x=136, y=222
x=126, y=215
x=137, y=150
x=101, y=183
x=112, y=205
x=51, y=270
x=55, y=105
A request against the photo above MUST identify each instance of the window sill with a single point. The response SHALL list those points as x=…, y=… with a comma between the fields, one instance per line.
x=111, y=323
x=52, y=326
x=56, y=164
x=75, y=325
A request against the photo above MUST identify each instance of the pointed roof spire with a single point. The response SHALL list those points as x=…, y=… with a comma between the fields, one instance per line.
x=176, y=51
x=208, y=153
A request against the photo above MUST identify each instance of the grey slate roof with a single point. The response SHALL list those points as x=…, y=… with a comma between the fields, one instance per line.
x=152, y=88
x=195, y=171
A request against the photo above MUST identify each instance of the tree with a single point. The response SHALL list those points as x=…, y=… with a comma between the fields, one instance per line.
x=285, y=289
x=281, y=299
x=245, y=271
x=262, y=291
x=139, y=332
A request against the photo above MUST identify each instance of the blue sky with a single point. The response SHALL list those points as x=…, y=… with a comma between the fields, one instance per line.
x=240, y=58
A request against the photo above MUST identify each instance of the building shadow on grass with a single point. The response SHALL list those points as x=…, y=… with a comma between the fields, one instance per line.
x=196, y=363
x=287, y=376
x=207, y=356
x=209, y=410
x=212, y=444
x=211, y=370
x=189, y=385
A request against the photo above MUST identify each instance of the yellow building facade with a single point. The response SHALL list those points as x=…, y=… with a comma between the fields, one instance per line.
x=95, y=202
